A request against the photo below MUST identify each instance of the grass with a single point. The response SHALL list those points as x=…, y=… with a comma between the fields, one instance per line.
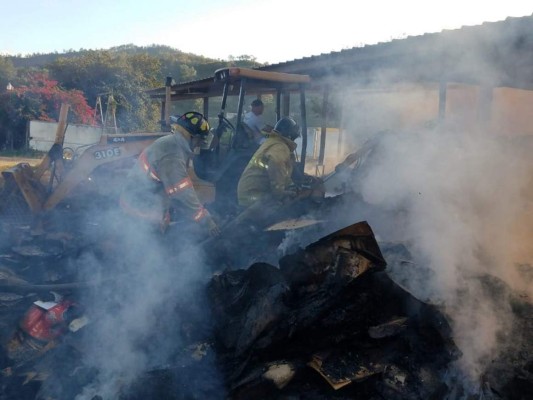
x=29, y=153
x=8, y=163
x=9, y=159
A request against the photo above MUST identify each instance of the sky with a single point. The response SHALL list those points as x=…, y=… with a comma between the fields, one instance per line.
x=271, y=31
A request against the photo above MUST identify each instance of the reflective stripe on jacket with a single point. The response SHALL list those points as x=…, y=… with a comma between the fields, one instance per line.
x=269, y=171
x=160, y=178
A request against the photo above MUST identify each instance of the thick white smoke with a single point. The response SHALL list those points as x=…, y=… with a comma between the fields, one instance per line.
x=136, y=324
x=462, y=203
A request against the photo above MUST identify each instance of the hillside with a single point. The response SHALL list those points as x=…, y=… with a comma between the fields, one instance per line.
x=170, y=57
x=41, y=81
x=41, y=59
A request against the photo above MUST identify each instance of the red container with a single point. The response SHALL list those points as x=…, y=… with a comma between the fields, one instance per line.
x=46, y=324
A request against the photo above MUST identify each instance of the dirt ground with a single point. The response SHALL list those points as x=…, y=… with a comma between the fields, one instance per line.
x=8, y=162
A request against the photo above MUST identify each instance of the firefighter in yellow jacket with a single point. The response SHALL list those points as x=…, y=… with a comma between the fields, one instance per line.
x=160, y=179
x=267, y=177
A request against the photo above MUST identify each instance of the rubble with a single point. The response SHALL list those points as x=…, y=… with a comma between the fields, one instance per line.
x=331, y=308
x=326, y=322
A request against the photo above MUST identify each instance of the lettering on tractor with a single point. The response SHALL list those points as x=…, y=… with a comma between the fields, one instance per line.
x=107, y=153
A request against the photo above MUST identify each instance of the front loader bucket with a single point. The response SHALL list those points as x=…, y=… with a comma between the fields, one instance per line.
x=22, y=177
x=22, y=196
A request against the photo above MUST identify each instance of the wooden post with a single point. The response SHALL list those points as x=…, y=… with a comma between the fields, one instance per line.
x=321, y=154
x=443, y=86
x=340, y=139
x=206, y=107
x=485, y=107
x=59, y=139
x=168, y=85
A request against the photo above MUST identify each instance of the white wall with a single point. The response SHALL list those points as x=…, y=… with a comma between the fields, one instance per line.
x=42, y=135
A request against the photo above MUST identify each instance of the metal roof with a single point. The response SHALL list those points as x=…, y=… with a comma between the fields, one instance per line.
x=493, y=53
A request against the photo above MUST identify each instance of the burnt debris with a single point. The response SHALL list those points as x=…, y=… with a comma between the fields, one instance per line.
x=326, y=322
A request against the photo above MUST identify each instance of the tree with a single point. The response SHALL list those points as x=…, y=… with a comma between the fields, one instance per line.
x=36, y=97
x=124, y=76
x=43, y=97
x=7, y=72
x=126, y=72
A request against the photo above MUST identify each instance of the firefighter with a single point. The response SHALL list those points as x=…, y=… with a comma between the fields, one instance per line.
x=267, y=176
x=160, y=181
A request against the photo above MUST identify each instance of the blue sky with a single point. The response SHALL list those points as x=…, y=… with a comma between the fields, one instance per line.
x=270, y=30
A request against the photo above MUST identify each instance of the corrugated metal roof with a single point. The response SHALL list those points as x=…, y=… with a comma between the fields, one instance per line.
x=493, y=53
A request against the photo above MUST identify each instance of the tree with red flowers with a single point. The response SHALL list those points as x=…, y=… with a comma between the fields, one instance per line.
x=37, y=97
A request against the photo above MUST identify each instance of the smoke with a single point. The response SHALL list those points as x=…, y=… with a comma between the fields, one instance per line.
x=462, y=204
x=147, y=312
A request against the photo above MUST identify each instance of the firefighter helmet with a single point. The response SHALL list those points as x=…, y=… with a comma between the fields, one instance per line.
x=288, y=127
x=195, y=123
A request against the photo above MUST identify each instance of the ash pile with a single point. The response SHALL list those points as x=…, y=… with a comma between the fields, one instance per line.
x=327, y=322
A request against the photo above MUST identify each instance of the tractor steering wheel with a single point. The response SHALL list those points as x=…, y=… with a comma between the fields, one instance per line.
x=223, y=124
x=225, y=134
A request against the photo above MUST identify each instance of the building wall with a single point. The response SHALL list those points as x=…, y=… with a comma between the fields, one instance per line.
x=405, y=108
x=42, y=135
x=512, y=112
x=413, y=107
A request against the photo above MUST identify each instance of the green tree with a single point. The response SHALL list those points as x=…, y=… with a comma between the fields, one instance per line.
x=7, y=72
x=125, y=76
x=126, y=72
